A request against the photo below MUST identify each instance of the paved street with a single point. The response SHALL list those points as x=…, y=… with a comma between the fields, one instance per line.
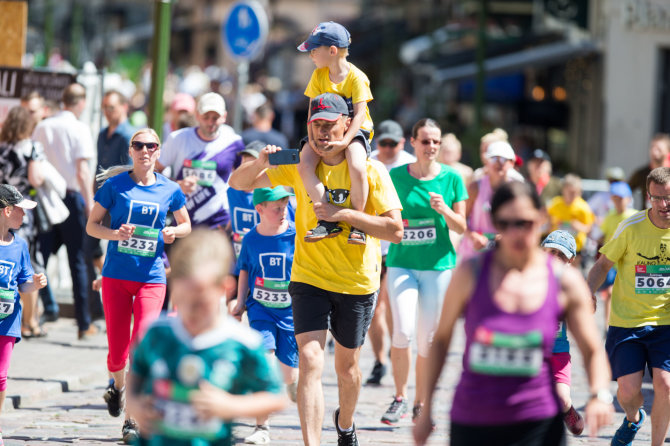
x=57, y=382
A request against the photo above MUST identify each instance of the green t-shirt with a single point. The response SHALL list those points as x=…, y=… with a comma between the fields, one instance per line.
x=426, y=244
x=169, y=364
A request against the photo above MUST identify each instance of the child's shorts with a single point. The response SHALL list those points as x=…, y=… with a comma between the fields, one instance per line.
x=362, y=136
x=609, y=280
x=281, y=341
x=561, y=367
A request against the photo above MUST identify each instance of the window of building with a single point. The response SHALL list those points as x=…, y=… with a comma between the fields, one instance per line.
x=664, y=92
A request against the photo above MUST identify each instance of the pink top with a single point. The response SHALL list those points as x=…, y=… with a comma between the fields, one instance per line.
x=479, y=219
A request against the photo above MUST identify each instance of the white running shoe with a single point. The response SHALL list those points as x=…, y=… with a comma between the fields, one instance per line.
x=261, y=435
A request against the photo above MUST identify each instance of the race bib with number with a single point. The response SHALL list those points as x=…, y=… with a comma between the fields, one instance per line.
x=419, y=231
x=502, y=354
x=652, y=279
x=143, y=242
x=6, y=303
x=272, y=293
x=204, y=171
x=237, y=243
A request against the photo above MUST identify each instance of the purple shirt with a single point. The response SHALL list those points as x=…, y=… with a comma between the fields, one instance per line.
x=506, y=374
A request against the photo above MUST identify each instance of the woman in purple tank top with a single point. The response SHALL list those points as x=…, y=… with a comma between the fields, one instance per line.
x=512, y=298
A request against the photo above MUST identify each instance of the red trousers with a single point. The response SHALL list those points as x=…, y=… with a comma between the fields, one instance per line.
x=123, y=299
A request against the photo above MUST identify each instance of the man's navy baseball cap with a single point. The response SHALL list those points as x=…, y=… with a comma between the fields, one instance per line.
x=326, y=34
x=329, y=107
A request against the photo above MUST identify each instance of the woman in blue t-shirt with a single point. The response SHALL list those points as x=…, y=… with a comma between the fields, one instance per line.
x=133, y=276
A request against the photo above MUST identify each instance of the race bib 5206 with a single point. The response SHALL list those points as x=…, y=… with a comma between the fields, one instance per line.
x=419, y=231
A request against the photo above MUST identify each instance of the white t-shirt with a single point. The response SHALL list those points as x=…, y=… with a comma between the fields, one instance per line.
x=401, y=158
x=65, y=140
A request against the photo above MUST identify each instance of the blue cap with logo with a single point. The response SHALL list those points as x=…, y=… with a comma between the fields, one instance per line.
x=329, y=107
x=326, y=34
x=620, y=189
x=563, y=241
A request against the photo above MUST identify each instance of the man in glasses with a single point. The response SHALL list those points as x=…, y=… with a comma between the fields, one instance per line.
x=68, y=145
x=390, y=152
x=201, y=159
x=638, y=336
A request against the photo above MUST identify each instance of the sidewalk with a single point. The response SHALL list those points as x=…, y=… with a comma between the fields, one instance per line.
x=56, y=384
x=43, y=367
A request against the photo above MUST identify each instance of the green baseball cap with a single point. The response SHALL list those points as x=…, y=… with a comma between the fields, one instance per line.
x=270, y=194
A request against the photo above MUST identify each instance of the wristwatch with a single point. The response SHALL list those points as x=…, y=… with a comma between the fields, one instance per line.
x=603, y=395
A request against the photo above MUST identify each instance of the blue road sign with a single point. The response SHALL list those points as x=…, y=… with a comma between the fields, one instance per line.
x=245, y=30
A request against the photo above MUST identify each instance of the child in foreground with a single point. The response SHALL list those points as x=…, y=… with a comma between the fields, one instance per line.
x=561, y=245
x=191, y=375
x=16, y=274
x=328, y=47
x=265, y=264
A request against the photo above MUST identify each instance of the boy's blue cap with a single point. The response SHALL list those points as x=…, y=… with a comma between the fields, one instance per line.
x=269, y=194
x=326, y=34
x=563, y=241
x=620, y=189
x=329, y=107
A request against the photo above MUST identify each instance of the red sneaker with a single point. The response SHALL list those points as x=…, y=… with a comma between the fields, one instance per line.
x=573, y=421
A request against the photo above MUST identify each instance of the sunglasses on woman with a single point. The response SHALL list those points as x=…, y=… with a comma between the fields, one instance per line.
x=503, y=225
x=139, y=145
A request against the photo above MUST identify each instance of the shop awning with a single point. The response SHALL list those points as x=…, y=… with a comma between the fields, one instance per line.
x=539, y=56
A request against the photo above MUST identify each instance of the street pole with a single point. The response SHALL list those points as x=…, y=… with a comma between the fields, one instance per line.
x=481, y=73
x=160, y=52
x=242, y=81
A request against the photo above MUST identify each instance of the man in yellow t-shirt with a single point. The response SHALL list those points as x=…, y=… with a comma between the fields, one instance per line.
x=639, y=331
x=333, y=281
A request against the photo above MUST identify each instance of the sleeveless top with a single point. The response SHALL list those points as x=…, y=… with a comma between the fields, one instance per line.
x=506, y=374
x=479, y=219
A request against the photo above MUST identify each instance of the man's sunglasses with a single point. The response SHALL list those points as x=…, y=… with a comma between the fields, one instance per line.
x=139, y=145
x=503, y=225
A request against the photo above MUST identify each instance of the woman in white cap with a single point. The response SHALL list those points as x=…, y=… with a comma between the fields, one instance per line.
x=480, y=232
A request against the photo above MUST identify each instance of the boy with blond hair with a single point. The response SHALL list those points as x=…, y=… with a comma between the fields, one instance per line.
x=328, y=48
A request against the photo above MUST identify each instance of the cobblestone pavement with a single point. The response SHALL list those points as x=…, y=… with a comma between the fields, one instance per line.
x=56, y=384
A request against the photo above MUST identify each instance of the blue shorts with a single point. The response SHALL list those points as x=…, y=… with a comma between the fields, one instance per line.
x=281, y=341
x=631, y=349
x=609, y=280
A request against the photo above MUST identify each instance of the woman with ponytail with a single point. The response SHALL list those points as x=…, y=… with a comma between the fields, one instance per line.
x=133, y=276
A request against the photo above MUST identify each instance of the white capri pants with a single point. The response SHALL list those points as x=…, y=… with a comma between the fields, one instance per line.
x=406, y=288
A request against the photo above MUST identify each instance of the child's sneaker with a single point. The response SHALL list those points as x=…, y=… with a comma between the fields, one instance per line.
x=626, y=433
x=114, y=398
x=356, y=237
x=325, y=229
x=130, y=431
x=261, y=435
x=292, y=390
x=573, y=421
